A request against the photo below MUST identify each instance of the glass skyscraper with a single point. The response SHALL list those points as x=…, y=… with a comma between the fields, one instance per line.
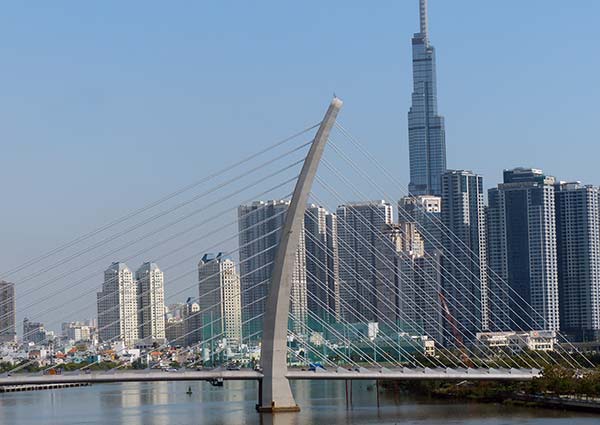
x=522, y=252
x=426, y=132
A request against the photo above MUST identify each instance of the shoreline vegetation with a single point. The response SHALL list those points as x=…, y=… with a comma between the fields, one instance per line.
x=558, y=387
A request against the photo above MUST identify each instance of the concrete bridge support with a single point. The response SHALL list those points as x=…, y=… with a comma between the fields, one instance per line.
x=276, y=393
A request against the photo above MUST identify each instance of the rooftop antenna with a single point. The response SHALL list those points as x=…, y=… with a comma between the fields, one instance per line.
x=423, y=18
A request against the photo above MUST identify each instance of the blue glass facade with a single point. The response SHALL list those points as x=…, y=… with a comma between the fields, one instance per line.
x=426, y=131
x=522, y=252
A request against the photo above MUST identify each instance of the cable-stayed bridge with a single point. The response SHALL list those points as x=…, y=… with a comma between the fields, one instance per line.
x=402, y=374
x=353, y=294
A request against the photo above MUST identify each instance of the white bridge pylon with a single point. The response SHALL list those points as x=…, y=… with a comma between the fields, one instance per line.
x=276, y=394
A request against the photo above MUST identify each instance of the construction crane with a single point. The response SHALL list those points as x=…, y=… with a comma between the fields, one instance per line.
x=455, y=333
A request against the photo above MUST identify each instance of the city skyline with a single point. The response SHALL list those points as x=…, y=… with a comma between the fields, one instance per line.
x=438, y=226
x=466, y=123
x=332, y=206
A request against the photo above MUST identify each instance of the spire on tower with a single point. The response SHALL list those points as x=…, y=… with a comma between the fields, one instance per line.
x=423, y=16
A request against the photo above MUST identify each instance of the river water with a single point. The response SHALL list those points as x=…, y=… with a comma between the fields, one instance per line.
x=166, y=403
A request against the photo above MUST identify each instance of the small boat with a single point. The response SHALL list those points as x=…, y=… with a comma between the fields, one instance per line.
x=216, y=382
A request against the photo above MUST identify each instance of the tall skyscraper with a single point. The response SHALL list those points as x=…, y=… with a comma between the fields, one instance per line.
x=259, y=232
x=151, y=303
x=360, y=226
x=465, y=252
x=522, y=257
x=117, y=306
x=220, y=300
x=426, y=132
x=7, y=312
x=322, y=267
x=578, y=248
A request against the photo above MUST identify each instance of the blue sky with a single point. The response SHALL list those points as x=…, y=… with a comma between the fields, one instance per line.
x=107, y=106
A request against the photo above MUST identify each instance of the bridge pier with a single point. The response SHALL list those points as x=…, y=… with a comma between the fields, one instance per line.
x=260, y=390
x=276, y=394
x=347, y=401
x=351, y=398
x=348, y=383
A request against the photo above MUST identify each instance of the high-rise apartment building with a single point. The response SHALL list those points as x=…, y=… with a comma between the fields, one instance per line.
x=192, y=320
x=76, y=331
x=220, y=300
x=426, y=132
x=422, y=285
x=360, y=226
x=322, y=267
x=426, y=212
x=34, y=332
x=174, y=311
x=7, y=312
x=260, y=226
x=578, y=249
x=409, y=282
x=151, y=303
x=175, y=331
x=465, y=252
x=117, y=306
x=523, y=279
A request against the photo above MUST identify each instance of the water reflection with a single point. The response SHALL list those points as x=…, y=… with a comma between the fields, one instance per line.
x=166, y=403
x=279, y=419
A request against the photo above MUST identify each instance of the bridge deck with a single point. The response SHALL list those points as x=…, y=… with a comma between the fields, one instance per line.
x=248, y=375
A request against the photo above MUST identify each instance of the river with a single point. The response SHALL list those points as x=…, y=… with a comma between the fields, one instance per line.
x=166, y=403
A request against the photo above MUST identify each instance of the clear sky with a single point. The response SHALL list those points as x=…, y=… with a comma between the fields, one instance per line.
x=108, y=105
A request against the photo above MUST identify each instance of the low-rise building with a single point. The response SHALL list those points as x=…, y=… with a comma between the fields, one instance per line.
x=532, y=340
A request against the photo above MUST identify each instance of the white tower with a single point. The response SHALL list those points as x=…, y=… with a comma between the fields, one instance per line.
x=117, y=306
x=151, y=299
x=220, y=299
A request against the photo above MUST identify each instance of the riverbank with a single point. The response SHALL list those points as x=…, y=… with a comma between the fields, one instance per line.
x=498, y=393
x=577, y=404
x=555, y=390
